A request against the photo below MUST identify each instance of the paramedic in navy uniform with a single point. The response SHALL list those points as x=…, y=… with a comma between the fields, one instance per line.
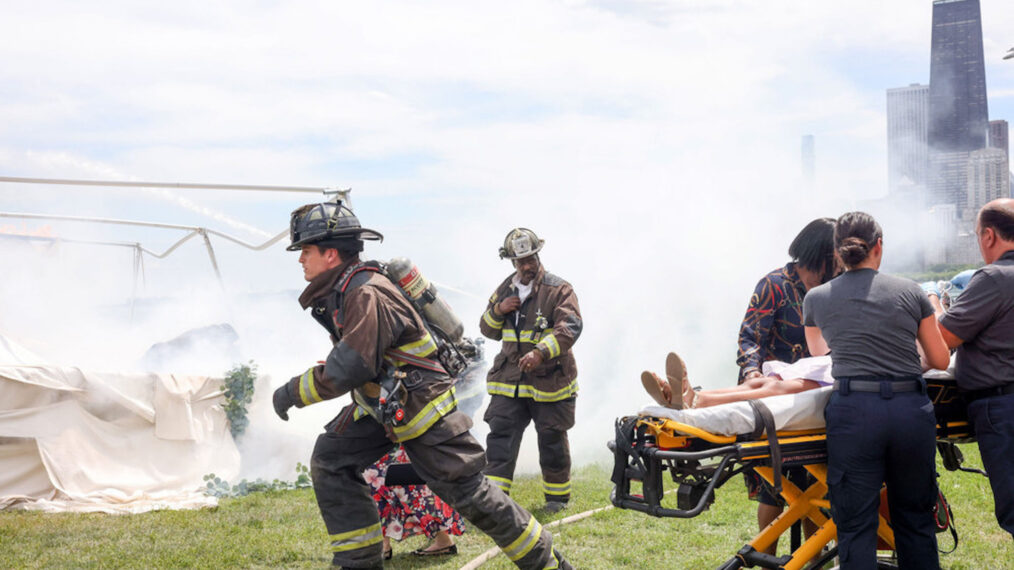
x=980, y=323
x=880, y=424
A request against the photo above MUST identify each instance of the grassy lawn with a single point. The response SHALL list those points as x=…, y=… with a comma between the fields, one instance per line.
x=282, y=529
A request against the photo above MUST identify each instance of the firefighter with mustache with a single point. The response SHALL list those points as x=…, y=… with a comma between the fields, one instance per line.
x=535, y=316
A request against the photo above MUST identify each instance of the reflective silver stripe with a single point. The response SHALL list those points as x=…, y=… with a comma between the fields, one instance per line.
x=556, y=488
x=492, y=320
x=358, y=538
x=502, y=482
x=529, y=391
x=433, y=411
x=421, y=347
x=551, y=344
x=523, y=544
x=500, y=389
x=307, y=390
x=509, y=335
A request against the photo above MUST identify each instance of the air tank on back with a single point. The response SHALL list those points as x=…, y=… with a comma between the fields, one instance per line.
x=424, y=296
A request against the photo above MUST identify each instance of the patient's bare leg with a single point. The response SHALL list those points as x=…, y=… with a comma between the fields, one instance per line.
x=772, y=387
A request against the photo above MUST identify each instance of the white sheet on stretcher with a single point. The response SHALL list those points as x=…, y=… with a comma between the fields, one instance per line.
x=803, y=410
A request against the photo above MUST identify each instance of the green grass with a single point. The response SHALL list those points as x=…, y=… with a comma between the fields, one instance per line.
x=282, y=529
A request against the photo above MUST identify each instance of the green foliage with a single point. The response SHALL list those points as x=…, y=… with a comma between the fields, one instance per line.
x=239, y=389
x=218, y=487
x=939, y=272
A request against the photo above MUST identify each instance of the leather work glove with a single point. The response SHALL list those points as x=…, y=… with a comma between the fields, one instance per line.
x=282, y=402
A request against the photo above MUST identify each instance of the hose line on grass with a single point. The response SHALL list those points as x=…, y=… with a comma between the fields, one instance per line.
x=492, y=552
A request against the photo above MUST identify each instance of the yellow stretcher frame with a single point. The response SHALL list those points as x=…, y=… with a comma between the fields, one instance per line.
x=647, y=447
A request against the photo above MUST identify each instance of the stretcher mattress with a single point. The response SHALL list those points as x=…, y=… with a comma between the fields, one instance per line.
x=800, y=411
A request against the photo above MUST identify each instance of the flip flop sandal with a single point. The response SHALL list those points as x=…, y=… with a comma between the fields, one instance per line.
x=654, y=390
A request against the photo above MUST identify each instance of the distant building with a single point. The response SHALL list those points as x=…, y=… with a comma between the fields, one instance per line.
x=988, y=179
x=907, y=143
x=957, y=93
x=958, y=113
x=809, y=163
x=998, y=137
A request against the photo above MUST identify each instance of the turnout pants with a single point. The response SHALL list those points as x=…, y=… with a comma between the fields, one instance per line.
x=451, y=465
x=507, y=419
x=872, y=440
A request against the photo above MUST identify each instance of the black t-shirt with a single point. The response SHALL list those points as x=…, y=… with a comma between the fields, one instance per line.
x=983, y=317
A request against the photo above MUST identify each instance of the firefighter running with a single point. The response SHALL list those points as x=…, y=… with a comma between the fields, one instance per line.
x=534, y=378
x=384, y=354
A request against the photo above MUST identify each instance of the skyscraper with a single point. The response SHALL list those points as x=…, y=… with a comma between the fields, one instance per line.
x=958, y=115
x=907, y=143
x=999, y=137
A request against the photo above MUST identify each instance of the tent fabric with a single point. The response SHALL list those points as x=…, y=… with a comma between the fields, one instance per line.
x=115, y=442
x=799, y=411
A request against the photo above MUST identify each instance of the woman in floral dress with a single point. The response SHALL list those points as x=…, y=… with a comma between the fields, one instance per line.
x=407, y=510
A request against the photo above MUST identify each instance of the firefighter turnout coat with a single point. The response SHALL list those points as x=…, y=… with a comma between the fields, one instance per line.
x=549, y=320
x=375, y=330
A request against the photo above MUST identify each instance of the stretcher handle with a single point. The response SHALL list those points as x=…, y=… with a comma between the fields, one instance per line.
x=666, y=454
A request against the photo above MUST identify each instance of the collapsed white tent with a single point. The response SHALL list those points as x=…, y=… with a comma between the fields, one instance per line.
x=75, y=440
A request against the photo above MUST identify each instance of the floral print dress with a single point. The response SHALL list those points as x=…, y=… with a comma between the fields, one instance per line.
x=410, y=509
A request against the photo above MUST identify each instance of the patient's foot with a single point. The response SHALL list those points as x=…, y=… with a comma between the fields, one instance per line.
x=659, y=390
x=675, y=371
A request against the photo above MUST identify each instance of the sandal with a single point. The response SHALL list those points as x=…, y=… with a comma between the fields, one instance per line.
x=445, y=551
x=652, y=385
x=676, y=372
x=388, y=554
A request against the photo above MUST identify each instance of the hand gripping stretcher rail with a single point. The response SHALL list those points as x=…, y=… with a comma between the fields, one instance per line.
x=701, y=449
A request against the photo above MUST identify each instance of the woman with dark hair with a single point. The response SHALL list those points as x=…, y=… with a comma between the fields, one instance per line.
x=880, y=424
x=772, y=329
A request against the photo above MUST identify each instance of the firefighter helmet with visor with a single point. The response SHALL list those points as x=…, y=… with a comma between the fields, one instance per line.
x=520, y=242
x=326, y=221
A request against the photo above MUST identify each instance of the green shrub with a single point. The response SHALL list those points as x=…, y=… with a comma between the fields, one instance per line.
x=239, y=389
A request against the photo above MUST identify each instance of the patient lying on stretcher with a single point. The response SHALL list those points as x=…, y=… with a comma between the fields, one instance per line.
x=779, y=378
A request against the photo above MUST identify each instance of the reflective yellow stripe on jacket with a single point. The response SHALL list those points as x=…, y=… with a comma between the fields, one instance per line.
x=529, y=391
x=307, y=390
x=437, y=408
x=526, y=336
x=354, y=539
x=552, y=346
x=422, y=348
x=492, y=320
x=525, y=543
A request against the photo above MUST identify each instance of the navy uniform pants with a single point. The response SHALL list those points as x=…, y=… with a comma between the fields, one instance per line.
x=993, y=419
x=450, y=463
x=872, y=440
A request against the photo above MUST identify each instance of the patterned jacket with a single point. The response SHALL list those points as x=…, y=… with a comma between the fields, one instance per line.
x=375, y=329
x=549, y=320
x=772, y=328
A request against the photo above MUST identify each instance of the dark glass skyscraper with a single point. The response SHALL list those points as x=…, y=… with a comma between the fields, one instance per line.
x=958, y=116
x=958, y=119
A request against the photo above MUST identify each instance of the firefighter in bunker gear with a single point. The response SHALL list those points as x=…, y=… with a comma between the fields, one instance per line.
x=376, y=333
x=536, y=317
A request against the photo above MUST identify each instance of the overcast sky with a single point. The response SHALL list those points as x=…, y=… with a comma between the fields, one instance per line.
x=655, y=145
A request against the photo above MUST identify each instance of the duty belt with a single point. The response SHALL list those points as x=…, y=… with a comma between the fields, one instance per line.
x=887, y=387
x=973, y=395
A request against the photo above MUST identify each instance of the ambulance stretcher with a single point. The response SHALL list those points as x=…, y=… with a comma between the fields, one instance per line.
x=702, y=449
